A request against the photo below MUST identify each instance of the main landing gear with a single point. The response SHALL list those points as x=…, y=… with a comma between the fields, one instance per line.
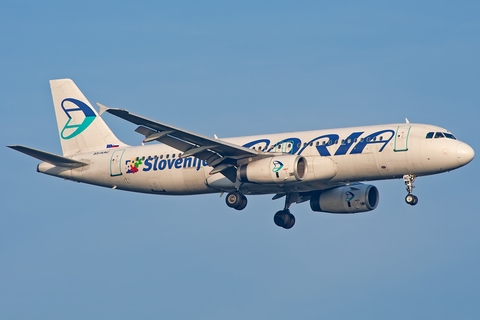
x=284, y=218
x=236, y=200
x=410, y=198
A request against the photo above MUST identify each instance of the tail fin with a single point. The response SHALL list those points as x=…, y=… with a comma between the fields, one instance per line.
x=80, y=127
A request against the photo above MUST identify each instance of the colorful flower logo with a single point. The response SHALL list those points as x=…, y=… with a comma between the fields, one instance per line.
x=133, y=165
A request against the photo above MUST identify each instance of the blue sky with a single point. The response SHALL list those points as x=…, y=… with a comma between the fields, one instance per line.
x=73, y=251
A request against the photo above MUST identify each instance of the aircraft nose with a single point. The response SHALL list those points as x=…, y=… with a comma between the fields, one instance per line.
x=465, y=153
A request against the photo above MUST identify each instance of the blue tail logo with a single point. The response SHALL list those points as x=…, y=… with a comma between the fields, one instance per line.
x=79, y=128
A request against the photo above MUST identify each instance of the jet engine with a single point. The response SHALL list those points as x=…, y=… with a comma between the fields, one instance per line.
x=276, y=169
x=346, y=199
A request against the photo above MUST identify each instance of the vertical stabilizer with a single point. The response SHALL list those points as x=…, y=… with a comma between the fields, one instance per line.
x=80, y=127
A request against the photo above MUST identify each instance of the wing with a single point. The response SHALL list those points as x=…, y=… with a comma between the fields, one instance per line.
x=221, y=155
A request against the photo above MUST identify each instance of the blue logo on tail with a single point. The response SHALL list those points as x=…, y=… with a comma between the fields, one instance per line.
x=79, y=128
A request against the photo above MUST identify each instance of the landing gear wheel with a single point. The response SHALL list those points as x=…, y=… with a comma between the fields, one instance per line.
x=243, y=204
x=411, y=199
x=415, y=200
x=291, y=221
x=284, y=219
x=234, y=199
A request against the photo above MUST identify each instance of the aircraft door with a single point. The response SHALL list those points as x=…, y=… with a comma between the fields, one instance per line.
x=401, y=138
x=116, y=163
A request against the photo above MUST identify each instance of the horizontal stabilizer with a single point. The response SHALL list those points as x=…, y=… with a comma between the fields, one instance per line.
x=54, y=159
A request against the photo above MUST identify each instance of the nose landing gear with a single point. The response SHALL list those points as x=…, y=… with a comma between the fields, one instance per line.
x=411, y=199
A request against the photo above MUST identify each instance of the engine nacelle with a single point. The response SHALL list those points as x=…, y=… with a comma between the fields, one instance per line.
x=276, y=169
x=346, y=199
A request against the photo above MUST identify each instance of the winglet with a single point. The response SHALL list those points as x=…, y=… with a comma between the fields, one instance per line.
x=406, y=120
x=102, y=108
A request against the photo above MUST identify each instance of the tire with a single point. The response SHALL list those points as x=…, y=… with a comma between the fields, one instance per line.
x=280, y=218
x=233, y=199
x=409, y=199
x=284, y=219
x=243, y=203
x=415, y=200
x=291, y=221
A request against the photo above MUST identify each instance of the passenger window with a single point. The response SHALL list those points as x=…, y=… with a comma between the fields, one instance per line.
x=439, y=135
x=161, y=156
x=167, y=156
x=429, y=135
x=173, y=155
x=317, y=143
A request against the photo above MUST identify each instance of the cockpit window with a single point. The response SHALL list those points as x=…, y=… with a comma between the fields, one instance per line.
x=449, y=136
x=437, y=135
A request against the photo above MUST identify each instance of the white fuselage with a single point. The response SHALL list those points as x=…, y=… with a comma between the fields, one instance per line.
x=334, y=157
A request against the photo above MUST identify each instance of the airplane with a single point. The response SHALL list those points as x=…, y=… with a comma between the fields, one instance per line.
x=325, y=167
